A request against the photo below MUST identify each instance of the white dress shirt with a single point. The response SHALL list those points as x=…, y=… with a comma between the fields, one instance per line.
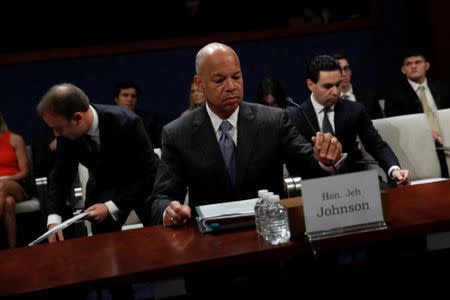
x=427, y=91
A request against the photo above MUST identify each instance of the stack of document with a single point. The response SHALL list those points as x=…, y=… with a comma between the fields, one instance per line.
x=227, y=215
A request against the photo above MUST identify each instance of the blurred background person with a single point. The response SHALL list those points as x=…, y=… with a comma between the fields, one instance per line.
x=270, y=92
x=126, y=94
x=353, y=92
x=416, y=93
x=13, y=174
x=196, y=99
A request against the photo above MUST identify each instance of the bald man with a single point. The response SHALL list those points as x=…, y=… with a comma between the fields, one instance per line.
x=217, y=164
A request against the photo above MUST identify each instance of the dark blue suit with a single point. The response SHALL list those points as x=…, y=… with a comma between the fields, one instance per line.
x=350, y=120
x=368, y=98
x=403, y=100
x=123, y=170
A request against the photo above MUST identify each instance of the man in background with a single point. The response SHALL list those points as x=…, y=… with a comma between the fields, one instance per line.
x=126, y=95
x=352, y=92
x=418, y=94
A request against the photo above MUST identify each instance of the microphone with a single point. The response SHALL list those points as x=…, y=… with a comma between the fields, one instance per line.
x=290, y=100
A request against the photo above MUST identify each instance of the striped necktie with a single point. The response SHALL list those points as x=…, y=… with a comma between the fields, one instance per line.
x=228, y=149
x=326, y=125
x=427, y=109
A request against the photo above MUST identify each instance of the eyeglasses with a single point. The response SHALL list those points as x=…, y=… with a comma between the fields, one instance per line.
x=345, y=69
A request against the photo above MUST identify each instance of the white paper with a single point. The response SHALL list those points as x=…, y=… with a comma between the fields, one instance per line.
x=58, y=227
x=227, y=209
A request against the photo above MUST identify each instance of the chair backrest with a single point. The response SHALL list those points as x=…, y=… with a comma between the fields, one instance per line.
x=79, y=189
x=33, y=203
x=444, y=126
x=411, y=140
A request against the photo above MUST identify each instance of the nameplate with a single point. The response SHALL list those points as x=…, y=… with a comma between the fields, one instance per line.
x=332, y=204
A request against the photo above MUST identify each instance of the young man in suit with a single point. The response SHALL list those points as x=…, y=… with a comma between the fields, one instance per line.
x=112, y=143
x=220, y=164
x=351, y=92
x=406, y=97
x=326, y=111
x=126, y=95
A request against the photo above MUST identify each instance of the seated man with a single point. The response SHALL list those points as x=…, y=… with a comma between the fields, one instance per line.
x=416, y=93
x=352, y=92
x=126, y=95
x=325, y=110
x=229, y=149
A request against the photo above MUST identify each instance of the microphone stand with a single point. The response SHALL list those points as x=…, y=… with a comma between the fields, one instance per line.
x=291, y=101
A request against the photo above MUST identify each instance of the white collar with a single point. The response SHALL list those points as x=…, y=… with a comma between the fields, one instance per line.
x=216, y=120
x=349, y=92
x=94, y=130
x=416, y=85
x=318, y=108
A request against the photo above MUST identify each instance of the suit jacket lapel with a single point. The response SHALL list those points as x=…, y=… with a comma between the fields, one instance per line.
x=413, y=95
x=204, y=136
x=339, y=119
x=310, y=112
x=247, y=134
x=435, y=95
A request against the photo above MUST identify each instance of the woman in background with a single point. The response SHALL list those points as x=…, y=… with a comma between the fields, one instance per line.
x=13, y=172
x=196, y=99
x=270, y=92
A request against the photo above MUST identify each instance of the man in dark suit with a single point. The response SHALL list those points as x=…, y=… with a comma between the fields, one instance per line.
x=328, y=112
x=126, y=95
x=405, y=98
x=112, y=143
x=260, y=139
x=353, y=93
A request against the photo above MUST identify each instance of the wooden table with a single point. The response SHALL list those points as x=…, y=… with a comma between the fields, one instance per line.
x=157, y=253
x=129, y=256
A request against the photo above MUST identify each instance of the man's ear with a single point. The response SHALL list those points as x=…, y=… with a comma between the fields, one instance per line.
x=77, y=117
x=310, y=84
x=199, y=83
x=403, y=70
x=427, y=66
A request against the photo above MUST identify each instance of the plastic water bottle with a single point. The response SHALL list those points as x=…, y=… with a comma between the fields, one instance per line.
x=258, y=210
x=276, y=225
x=263, y=214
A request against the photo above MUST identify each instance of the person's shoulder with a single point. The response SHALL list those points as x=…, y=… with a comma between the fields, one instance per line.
x=16, y=139
x=439, y=83
x=261, y=109
x=187, y=120
x=146, y=114
x=366, y=93
x=351, y=106
x=400, y=87
x=290, y=109
x=114, y=111
x=262, y=114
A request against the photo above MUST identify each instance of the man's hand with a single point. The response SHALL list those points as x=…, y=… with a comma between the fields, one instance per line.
x=176, y=214
x=327, y=149
x=97, y=212
x=437, y=137
x=52, y=145
x=401, y=177
x=55, y=237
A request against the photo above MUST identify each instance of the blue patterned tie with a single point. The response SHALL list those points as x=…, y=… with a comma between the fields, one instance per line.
x=228, y=149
